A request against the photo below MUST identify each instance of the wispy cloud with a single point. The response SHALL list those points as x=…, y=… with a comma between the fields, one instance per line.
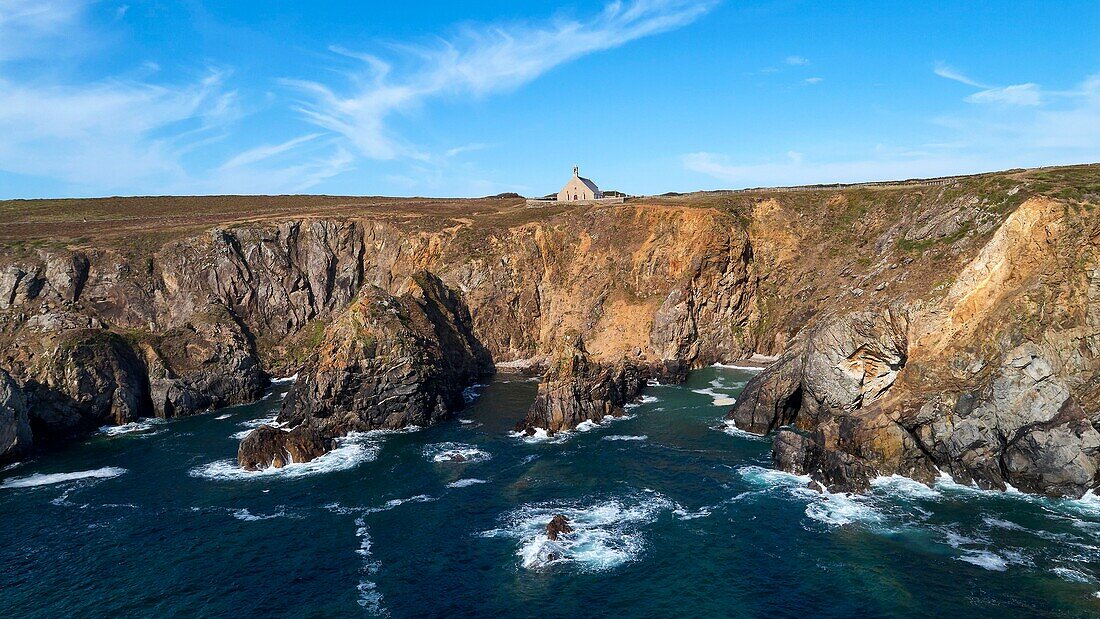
x=948, y=72
x=26, y=25
x=106, y=133
x=1060, y=127
x=478, y=61
x=797, y=61
x=262, y=170
x=466, y=148
x=266, y=151
x=1017, y=94
x=111, y=133
x=814, y=80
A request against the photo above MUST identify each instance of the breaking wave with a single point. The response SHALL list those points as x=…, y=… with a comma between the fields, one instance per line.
x=47, y=479
x=840, y=509
x=144, y=425
x=606, y=534
x=645, y=399
x=462, y=483
x=730, y=427
x=455, y=453
x=472, y=393
x=351, y=451
x=542, y=436
x=247, y=516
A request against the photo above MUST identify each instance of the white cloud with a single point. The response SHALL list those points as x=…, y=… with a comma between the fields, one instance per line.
x=477, y=62
x=1059, y=128
x=241, y=175
x=814, y=80
x=266, y=151
x=797, y=61
x=108, y=134
x=26, y=25
x=466, y=148
x=1019, y=94
x=950, y=73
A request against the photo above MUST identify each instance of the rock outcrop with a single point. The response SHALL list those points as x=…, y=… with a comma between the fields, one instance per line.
x=576, y=389
x=268, y=446
x=92, y=378
x=16, y=439
x=207, y=363
x=387, y=362
x=558, y=526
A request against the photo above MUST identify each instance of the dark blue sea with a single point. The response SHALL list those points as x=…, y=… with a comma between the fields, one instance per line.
x=676, y=515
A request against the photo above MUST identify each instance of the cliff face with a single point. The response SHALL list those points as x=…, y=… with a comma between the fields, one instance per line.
x=916, y=327
x=992, y=381
x=389, y=361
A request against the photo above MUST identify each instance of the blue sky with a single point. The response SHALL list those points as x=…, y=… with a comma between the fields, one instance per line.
x=474, y=98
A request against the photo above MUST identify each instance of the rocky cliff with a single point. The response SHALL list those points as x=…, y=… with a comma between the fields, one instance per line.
x=389, y=361
x=949, y=326
x=990, y=375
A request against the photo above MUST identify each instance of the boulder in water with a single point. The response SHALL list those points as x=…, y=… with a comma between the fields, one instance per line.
x=559, y=525
x=268, y=446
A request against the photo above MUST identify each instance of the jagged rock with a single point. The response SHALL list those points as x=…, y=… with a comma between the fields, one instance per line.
x=209, y=362
x=828, y=389
x=92, y=378
x=576, y=389
x=15, y=428
x=1024, y=428
x=559, y=525
x=390, y=362
x=268, y=446
x=66, y=274
x=689, y=280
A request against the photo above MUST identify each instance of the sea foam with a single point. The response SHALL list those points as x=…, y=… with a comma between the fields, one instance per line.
x=46, y=479
x=717, y=398
x=730, y=427
x=458, y=453
x=351, y=451
x=734, y=366
x=247, y=516
x=462, y=483
x=370, y=598
x=143, y=425
x=606, y=533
